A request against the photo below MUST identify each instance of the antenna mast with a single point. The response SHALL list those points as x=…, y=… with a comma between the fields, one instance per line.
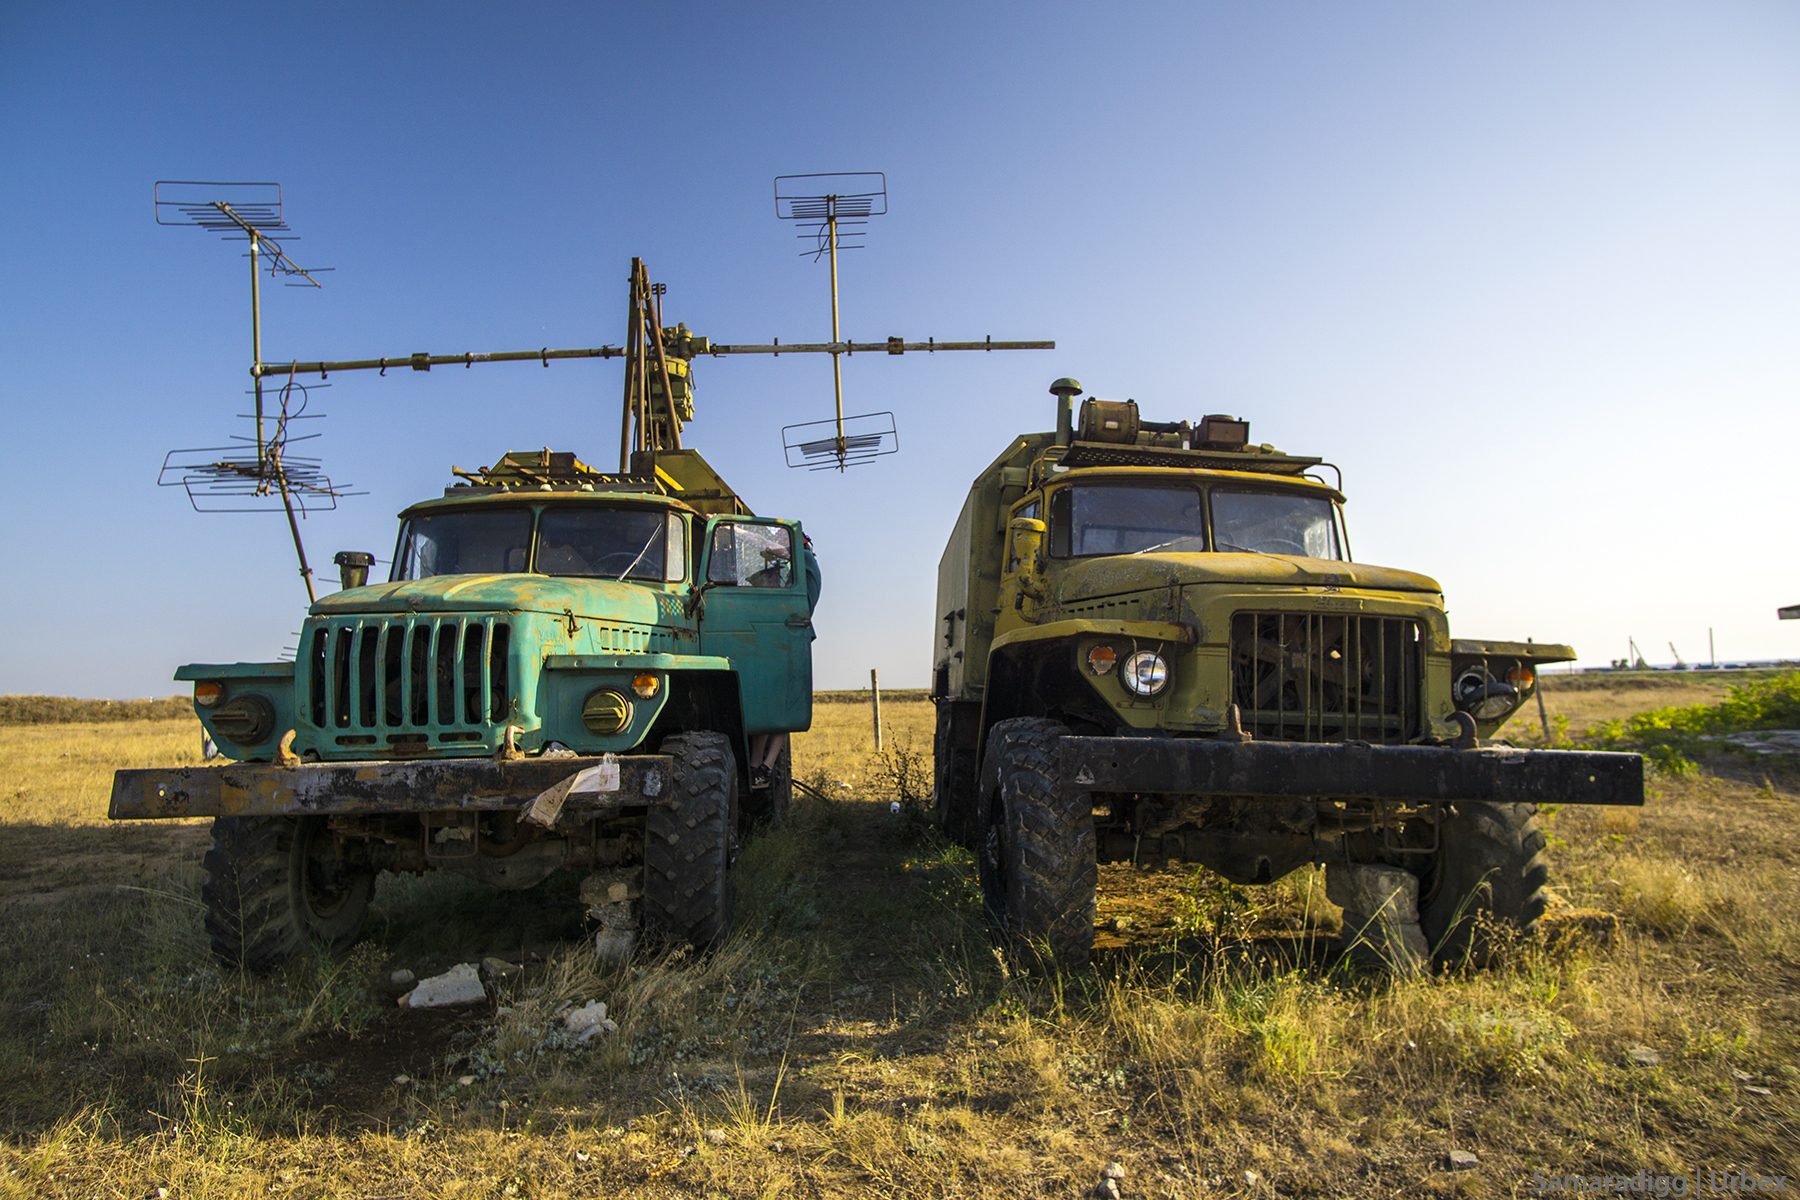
x=248, y=212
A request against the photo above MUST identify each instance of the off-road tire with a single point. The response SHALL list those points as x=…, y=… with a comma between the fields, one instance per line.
x=1489, y=869
x=955, y=799
x=1038, y=867
x=689, y=839
x=773, y=802
x=274, y=887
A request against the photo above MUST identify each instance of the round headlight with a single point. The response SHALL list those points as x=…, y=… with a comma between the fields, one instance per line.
x=1145, y=673
x=605, y=712
x=246, y=720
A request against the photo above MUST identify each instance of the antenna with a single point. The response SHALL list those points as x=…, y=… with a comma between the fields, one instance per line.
x=834, y=207
x=248, y=212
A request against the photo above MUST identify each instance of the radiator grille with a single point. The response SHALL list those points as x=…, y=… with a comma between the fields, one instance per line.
x=408, y=675
x=1316, y=677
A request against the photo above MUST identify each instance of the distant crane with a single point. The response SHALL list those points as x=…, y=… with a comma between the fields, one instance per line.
x=1679, y=665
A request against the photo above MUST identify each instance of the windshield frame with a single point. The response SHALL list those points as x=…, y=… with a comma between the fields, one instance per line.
x=678, y=548
x=1057, y=509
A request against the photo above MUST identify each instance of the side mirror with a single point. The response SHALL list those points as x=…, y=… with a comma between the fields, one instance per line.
x=353, y=568
x=1027, y=544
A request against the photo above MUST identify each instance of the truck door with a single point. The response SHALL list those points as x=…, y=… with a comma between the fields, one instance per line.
x=755, y=614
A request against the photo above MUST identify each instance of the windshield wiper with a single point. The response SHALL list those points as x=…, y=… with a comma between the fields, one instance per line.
x=1243, y=549
x=640, y=556
x=1153, y=549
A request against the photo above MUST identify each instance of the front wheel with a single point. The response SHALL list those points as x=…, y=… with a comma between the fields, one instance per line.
x=1489, y=869
x=1038, y=865
x=275, y=885
x=689, y=837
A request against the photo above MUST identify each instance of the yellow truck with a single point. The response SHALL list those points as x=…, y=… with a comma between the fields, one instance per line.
x=1154, y=645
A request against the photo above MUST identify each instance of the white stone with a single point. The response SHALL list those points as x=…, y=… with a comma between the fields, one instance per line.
x=588, y=1020
x=403, y=978
x=1643, y=1056
x=1114, y=1171
x=716, y=1136
x=461, y=984
x=1251, y=1178
x=1462, y=1160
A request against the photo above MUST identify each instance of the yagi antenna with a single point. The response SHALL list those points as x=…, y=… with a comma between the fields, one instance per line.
x=226, y=478
x=833, y=210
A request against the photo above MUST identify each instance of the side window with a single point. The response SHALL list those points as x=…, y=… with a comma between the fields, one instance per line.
x=1059, y=524
x=747, y=555
x=675, y=562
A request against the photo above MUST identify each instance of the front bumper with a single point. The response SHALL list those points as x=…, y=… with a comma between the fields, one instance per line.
x=1351, y=771
x=424, y=785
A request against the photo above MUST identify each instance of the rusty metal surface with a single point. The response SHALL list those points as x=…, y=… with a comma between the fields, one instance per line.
x=1354, y=770
x=261, y=789
x=1535, y=652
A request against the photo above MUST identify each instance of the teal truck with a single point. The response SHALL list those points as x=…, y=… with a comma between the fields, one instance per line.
x=564, y=668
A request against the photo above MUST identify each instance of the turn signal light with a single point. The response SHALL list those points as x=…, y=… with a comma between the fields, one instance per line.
x=1101, y=659
x=208, y=693
x=1521, y=677
x=645, y=686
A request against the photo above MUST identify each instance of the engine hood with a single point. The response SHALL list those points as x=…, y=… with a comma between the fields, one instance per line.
x=598, y=598
x=1093, y=578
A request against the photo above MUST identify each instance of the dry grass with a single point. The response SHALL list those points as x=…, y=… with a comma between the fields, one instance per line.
x=63, y=710
x=860, y=1038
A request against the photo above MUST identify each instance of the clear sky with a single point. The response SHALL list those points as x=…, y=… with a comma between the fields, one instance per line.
x=1528, y=272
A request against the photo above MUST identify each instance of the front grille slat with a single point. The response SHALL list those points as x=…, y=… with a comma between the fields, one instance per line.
x=1326, y=677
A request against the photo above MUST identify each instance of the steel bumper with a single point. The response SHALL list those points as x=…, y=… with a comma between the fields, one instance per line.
x=1351, y=771
x=424, y=785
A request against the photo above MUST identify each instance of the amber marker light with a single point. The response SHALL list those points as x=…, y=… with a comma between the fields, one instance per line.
x=208, y=694
x=645, y=686
x=1521, y=677
x=1101, y=659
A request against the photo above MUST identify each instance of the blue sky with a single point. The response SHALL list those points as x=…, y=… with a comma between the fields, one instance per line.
x=1529, y=273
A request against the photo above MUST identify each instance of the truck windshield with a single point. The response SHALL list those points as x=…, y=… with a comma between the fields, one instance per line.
x=466, y=543
x=1125, y=520
x=1275, y=523
x=609, y=543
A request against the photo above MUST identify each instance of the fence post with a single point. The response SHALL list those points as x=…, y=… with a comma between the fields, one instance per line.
x=875, y=696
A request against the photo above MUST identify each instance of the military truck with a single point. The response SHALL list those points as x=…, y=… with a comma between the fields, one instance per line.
x=1154, y=646
x=564, y=668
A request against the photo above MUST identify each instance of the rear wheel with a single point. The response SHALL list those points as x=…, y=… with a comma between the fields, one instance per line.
x=275, y=885
x=1489, y=868
x=1038, y=868
x=689, y=840
x=956, y=805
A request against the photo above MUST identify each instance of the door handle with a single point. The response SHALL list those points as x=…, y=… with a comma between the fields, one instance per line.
x=799, y=622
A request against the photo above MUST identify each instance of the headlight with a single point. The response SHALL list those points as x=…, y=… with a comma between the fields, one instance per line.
x=246, y=720
x=605, y=712
x=1484, y=697
x=1145, y=673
